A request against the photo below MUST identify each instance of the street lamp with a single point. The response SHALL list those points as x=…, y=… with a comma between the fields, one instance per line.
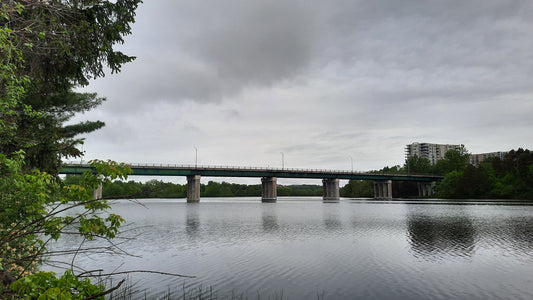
x=282, y=160
x=196, y=157
x=351, y=160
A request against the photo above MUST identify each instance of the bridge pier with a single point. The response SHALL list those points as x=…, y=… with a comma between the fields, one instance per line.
x=383, y=189
x=331, y=189
x=425, y=189
x=268, y=189
x=193, y=188
x=97, y=192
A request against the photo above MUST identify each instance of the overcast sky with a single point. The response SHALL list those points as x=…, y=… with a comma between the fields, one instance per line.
x=326, y=83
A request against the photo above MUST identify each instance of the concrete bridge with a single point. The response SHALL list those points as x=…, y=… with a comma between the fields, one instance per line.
x=330, y=178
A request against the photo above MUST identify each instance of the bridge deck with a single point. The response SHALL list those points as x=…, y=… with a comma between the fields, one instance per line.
x=226, y=171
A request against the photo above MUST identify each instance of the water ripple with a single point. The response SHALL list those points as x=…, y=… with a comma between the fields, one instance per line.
x=340, y=250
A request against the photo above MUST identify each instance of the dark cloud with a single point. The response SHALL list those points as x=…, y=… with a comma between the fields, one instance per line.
x=207, y=50
x=257, y=42
x=211, y=50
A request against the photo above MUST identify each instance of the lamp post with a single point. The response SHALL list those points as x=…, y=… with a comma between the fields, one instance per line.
x=282, y=160
x=196, y=157
x=351, y=160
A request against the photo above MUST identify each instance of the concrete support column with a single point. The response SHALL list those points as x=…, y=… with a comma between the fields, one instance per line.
x=425, y=189
x=268, y=189
x=331, y=189
x=193, y=188
x=383, y=189
x=97, y=192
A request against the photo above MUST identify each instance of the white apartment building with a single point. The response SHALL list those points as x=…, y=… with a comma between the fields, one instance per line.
x=433, y=152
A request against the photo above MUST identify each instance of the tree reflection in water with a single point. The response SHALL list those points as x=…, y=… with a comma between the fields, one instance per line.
x=437, y=237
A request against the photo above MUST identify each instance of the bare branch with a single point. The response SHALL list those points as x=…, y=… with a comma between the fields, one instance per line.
x=106, y=292
x=140, y=271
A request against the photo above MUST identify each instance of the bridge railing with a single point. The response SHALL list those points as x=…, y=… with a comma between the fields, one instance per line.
x=220, y=167
x=246, y=168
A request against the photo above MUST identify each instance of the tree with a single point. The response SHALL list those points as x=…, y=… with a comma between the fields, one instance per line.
x=510, y=178
x=358, y=188
x=417, y=164
x=447, y=188
x=47, y=48
x=60, y=44
x=474, y=183
x=34, y=210
x=454, y=160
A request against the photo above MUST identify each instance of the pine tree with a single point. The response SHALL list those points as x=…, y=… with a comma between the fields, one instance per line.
x=64, y=44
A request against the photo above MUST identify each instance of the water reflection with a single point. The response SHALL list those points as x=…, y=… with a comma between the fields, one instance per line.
x=348, y=250
x=192, y=221
x=522, y=232
x=332, y=220
x=513, y=235
x=440, y=236
x=269, y=218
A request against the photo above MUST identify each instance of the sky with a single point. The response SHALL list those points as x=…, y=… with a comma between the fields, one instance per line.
x=336, y=84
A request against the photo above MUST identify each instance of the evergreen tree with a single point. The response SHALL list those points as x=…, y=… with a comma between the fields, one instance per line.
x=63, y=45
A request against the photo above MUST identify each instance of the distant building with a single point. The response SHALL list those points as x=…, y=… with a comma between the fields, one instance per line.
x=433, y=152
x=476, y=159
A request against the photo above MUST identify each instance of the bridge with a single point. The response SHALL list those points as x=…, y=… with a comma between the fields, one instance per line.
x=330, y=178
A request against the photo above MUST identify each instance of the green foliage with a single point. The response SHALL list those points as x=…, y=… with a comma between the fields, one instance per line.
x=390, y=170
x=36, y=208
x=358, y=188
x=48, y=49
x=510, y=178
x=45, y=285
x=416, y=164
x=447, y=188
x=454, y=160
x=299, y=190
x=159, y=189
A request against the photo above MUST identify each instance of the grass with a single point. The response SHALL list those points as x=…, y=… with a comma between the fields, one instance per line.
x=195, y=293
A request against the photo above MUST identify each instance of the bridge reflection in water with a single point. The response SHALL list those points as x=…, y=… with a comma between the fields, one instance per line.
x=330, y=178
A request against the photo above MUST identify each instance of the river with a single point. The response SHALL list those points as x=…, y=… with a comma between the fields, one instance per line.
x=303, y=248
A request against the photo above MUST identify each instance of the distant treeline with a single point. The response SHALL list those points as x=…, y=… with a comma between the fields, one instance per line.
x=495, y=178
x=160, y=189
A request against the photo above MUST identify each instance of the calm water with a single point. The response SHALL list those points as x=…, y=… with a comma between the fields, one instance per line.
x=302, y=248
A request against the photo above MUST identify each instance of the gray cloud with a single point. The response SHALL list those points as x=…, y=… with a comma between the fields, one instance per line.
x=257, y=42
x=319, y=80
x=205, y=51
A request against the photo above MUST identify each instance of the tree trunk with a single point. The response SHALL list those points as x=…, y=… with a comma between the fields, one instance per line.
x=6, y=278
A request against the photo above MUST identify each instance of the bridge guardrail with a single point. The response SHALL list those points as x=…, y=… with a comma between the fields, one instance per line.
x=245, y=168
x=188, y=166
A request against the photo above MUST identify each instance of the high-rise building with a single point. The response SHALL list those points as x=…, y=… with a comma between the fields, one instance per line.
x=476, y=159
x=433, y=152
